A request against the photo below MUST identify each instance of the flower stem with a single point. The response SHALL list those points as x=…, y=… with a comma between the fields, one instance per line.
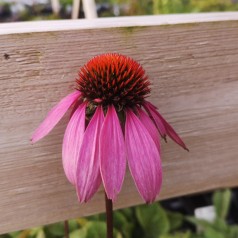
x=66, y=229
x=109, y=216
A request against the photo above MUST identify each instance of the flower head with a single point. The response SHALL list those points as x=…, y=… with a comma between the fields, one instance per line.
x=113, y=79
x=111, y=124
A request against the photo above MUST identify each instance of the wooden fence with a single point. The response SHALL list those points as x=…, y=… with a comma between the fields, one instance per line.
x=192, y=61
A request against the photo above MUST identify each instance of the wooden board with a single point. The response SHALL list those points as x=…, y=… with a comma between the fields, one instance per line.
x=193, y=64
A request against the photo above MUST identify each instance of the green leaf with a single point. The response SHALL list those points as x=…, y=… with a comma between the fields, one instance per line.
x=221, y=200
x=14, y=234
x=24, y=234
x=175, y=220
x=199, y=222
x=220, y=225
x=34, y=231
x=96, y=229
x=212, y=233
x=82, y=221
x=73, y=225
x=233, y=231
x=41, y=234
x=79, y=233
x=177, y=235
x=153, y=220
x=56, y=229
x=121, y=224
x=128, y=213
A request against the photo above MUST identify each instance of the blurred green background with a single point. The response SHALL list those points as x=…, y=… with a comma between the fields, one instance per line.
x=149, y=7
x=41, y=9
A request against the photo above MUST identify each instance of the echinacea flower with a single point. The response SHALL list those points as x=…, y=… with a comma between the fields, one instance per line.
x=111, y=125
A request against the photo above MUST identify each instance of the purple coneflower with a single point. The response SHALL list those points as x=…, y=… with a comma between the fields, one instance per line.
x=111, y=124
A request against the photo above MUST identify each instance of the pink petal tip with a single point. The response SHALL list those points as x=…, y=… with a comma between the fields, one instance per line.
x=54, y=116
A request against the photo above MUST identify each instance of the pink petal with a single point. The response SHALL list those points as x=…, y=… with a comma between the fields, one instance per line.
x=112, y=154
x=150, y=126
x=169, y=129
x=143, y=158
x=88, y=178
x=72, y=142
x=150, y=108
x=172, y=134
x=53, y=117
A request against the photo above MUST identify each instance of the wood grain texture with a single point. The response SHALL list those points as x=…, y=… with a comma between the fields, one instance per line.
x=193, y=67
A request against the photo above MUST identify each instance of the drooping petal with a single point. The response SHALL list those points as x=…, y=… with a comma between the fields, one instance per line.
x=143, y=158
x=53, y=117
x=173, y=135
x=169, y=129
x=152, y=113
x=72, y=142
x=112, y=154
x=88, y=178
x=150, y=126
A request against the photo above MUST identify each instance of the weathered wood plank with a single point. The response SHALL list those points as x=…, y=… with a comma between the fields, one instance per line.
x=193, y=63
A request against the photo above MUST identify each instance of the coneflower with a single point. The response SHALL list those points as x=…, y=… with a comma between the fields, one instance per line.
x=111, y=125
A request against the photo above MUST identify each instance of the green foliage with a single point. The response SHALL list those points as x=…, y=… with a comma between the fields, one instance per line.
x=221, y=200
x=187, y=234
x=213, y=5
x=121, y=221
x=130, y=7
x=175, y=220
x=183, y=6
x=66, y=2
x=153, y=219
x=147, y=7
x=219, y=227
